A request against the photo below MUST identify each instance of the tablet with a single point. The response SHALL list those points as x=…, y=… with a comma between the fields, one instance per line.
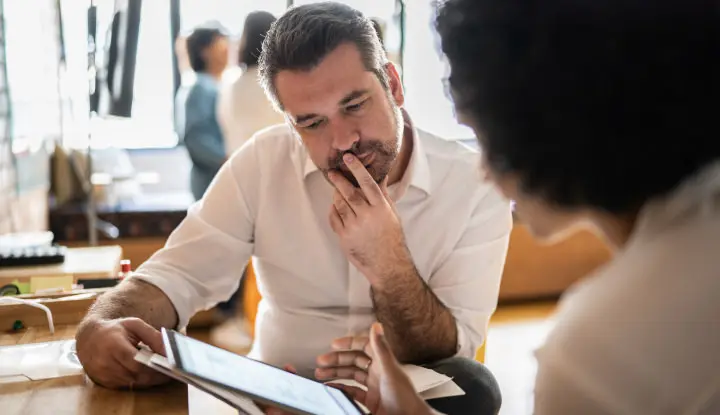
x=259, y=381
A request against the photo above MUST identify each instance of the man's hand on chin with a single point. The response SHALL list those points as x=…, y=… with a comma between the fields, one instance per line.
x=367, y=224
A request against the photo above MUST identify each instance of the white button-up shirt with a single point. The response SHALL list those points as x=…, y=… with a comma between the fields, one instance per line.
x=271, y=202
x=642, y=335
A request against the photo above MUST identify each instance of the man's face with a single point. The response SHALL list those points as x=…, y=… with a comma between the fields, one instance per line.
x=340, y=107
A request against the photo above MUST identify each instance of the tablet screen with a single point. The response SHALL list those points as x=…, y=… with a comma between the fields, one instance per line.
x=259, y=380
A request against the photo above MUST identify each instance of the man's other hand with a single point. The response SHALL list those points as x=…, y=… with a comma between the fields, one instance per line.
x=107, y=348
x=349, y=359
x=389, y=389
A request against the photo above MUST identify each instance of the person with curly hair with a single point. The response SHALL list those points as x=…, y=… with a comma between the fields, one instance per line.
x=600, y=114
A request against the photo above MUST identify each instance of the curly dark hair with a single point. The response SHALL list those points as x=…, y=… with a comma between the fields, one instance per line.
x=601, y=104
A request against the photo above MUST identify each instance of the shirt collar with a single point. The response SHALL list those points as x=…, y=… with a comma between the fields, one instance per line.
x=416, y=175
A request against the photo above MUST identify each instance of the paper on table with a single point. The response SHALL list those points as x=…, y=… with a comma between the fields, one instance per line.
x=444, y=390
x=424, y=379
x=428, y=383
x=38, y=361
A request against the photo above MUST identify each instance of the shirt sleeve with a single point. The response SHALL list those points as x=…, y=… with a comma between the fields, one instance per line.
x=202, y=137
x=468, y=281
x=203, y=259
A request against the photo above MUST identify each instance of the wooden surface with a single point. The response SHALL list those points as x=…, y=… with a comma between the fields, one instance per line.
x=97, y=262
x=64, y=311
x=77, y=394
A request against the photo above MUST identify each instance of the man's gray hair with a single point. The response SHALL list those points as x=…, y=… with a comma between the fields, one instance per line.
x=301, y=38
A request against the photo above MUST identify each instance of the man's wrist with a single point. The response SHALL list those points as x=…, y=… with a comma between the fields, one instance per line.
x=401, y=273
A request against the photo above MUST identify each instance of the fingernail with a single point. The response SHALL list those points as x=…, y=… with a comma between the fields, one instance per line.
x=349, y=158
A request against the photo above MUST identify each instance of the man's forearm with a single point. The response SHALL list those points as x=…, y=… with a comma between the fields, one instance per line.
x=419, y=327
x=135, y=298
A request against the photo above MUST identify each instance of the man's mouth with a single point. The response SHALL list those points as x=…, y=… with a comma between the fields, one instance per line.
x=366, y=158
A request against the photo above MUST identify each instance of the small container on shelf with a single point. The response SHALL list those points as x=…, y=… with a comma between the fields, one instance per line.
x=125, y=269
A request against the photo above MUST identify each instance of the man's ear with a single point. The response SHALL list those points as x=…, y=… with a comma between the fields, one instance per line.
x=396, y=88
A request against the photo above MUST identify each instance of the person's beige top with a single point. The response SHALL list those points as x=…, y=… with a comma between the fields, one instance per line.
x=271, y=201
x=643, y=335
x=244, y=109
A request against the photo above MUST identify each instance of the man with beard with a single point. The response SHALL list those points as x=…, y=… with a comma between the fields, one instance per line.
x=351, y=216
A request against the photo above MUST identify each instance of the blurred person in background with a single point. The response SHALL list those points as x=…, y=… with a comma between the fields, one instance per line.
x=207, y=49
x=243, y=107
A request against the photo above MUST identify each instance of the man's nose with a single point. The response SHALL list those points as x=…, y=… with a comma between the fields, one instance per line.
x=344, y=136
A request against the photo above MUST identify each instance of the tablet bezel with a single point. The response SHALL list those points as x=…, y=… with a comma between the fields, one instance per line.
x=174, y=357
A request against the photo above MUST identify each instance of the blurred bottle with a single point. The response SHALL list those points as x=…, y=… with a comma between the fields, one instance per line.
x=125, y=269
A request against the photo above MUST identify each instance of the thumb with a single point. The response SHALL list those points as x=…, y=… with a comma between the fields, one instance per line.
x=382, y=353
x=146, y=334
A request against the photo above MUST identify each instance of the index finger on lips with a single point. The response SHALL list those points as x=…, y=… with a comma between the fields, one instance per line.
x=365, y=180
x=353, y=196
x=342, y=206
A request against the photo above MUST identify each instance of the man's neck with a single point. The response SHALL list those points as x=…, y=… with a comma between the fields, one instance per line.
x=406, y=148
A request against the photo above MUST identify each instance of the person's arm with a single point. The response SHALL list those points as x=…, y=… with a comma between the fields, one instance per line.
x=135, y=298
x=199, y=266
x=419, y=327
x=448, y=316
x=422, y=323
x=203, y=137
x=468, y=281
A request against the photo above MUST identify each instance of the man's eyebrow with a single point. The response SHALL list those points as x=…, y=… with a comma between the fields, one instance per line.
x=353, y=95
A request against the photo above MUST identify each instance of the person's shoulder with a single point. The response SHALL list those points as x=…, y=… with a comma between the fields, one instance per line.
x=453, y=163
x=278, y=135
x=449, y=151
x=271, y=151
x=202, y=89
x=274, y=141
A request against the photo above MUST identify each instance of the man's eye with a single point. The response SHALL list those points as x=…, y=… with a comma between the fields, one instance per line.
x=355, y=107
x=313, y=126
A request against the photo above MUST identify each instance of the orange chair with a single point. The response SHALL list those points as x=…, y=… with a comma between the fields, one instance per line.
x=251, y=299
x=480, y=355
